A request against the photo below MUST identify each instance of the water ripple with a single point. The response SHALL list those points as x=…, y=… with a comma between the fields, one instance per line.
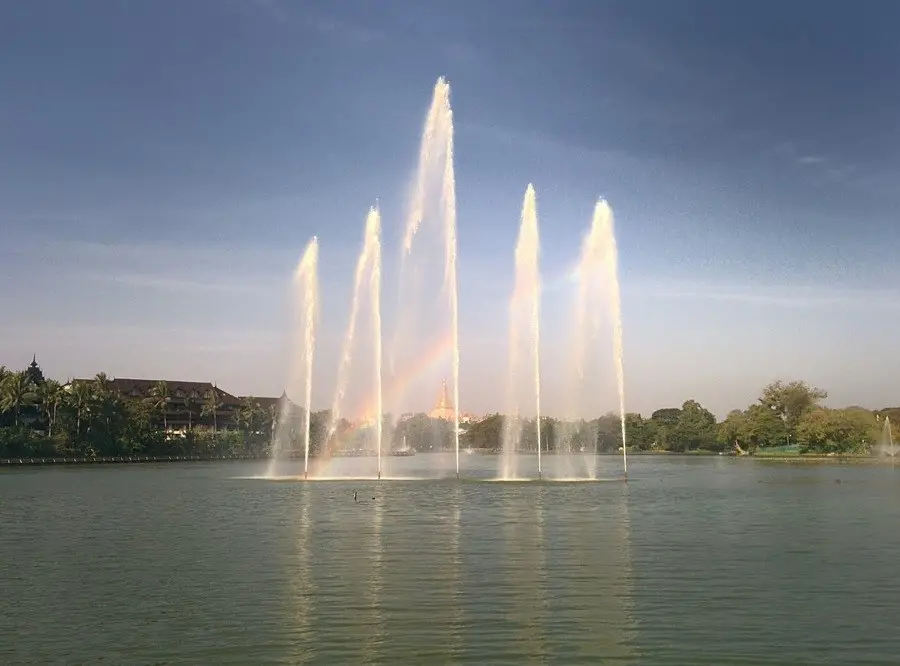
x=697, y=562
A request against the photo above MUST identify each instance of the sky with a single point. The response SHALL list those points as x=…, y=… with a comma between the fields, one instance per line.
x=163, y=165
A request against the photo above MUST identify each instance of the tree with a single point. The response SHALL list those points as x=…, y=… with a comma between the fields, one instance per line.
x=733, y=430
x=764, y=427
x=50, y=395
x=602, y=434
x=247, y=415
x=485, y=434
x=695, y=428
x=189, y=410
x=159, y=399
x=791, y=400
x=81, y=396
x=16, y=392
x=211, y=405
x=102, y=383
x=664, y=422
x=638, y=432
x=837, y=431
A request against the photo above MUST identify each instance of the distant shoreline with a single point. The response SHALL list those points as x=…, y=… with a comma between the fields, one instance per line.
x=119, y=460
x=37, y=461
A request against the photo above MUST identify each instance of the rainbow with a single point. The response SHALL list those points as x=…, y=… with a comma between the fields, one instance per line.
x=434, y=356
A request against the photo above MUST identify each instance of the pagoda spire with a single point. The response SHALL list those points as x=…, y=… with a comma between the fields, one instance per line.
x=444, y=397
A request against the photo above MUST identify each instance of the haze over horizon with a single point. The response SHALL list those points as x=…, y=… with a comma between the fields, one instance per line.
x=163, y=165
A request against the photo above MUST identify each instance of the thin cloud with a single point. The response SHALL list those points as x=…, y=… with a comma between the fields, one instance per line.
x=174, y=284
x=788, y=296
x=349, y=33
x=274, y=9
x=817, y=165
x=76, y=334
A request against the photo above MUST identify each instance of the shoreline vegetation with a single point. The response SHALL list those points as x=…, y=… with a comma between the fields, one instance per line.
x=138, y=460
x=106, y=420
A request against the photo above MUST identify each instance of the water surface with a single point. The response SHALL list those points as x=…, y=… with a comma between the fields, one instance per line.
x=694, y=561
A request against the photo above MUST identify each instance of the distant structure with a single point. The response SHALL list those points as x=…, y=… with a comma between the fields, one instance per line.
x=184, y=402
x=443, y=408
x=34, y=372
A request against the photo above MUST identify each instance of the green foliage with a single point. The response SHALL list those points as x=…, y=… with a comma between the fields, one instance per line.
x=791, y=400
x=695, y=428
x=851, y=430
x=39, y=417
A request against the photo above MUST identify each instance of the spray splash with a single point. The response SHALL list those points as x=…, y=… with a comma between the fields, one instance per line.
x=368, y=264
x=886, y=446
x=598, y=270
x=435, y=166
x=526, y=302
x=306, y=290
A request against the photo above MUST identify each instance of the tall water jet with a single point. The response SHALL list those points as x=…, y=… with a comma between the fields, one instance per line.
x=367, y=277
x=306, y=299
x=524, y=314
x=307, y=280
x=886, y=445
x=598, y=272
x=435, y=183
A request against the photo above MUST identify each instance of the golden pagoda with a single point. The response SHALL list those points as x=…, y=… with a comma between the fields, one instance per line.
x=443, y=408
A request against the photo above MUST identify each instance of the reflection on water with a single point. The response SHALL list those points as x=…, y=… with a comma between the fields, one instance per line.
x=692, y=562
x=523, y=565
x=457, y=621
x=302, y=584
x=419, y=573
x=374, y=634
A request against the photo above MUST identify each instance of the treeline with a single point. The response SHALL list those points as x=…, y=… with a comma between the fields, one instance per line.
x=787, y=416
x=41, y=417
x=87, y=418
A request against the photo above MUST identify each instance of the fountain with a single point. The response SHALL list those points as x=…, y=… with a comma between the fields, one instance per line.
x=433, y=206
x=524, y=314
x=368, y=265
x=306, y=288
x=600, y=263
x=430, y=225
x=886, y=445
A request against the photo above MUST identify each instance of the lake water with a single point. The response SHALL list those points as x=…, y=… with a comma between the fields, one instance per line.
x=694, y=561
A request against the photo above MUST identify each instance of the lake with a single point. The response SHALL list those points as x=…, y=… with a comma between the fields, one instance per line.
x=693, y=561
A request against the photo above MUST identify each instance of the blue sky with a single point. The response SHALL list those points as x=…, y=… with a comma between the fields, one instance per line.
x=162, y=165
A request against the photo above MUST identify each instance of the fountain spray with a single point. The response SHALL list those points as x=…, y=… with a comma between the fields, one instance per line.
x=306, y=279
x=598, y=271
x=369, y=260
x=306, y=302
x=436, y=150
x=525, y=299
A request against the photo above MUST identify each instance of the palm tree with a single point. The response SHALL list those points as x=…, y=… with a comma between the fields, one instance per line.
x=189, y=408
x=272, y=417
x=16, y=392
x=211, y=404
x=159, y=398
x=248, y=413
x=82, y=396
x=50, y=395
x=102, y=383
x=104, y=399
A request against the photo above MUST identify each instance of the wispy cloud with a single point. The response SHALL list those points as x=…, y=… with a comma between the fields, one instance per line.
x=787, y=296
x=75, y=334
x=828, y=167
x=274, y=9
x=176, y=284
x=353, y=34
